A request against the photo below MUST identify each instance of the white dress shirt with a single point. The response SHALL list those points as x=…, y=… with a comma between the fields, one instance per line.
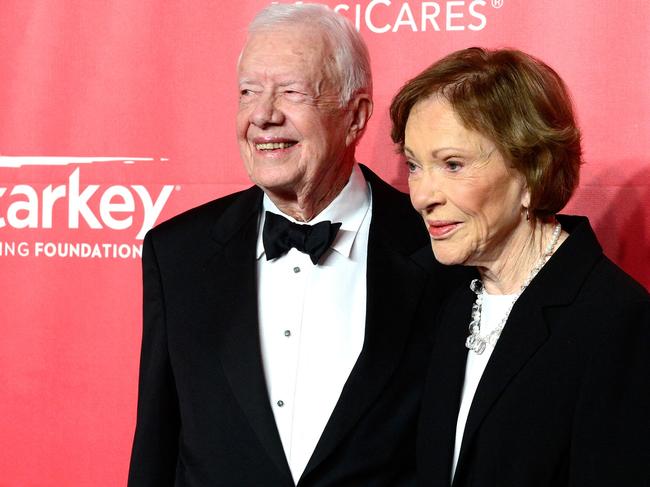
x=493, y=309
x=312, y=321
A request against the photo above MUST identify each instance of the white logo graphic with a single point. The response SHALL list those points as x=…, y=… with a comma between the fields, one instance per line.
x=436, y=16
x=120, y=207
x=20, y=161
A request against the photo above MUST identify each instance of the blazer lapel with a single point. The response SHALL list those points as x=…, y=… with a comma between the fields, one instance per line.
x=232, y=272
x=526, y=329
x=437, y=429
x=394, y=283
x=526, y=332
x=523, y=335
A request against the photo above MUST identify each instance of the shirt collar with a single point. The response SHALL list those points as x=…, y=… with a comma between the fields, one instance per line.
x=350, y=207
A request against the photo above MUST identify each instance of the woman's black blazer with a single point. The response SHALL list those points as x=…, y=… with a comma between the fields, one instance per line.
x=565, y=397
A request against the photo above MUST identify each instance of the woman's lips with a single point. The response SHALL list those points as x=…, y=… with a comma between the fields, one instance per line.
x=439, y=229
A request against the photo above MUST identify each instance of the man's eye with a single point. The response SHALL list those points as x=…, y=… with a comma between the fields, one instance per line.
x=412, y=167
x=246, y=92
x=294, y=95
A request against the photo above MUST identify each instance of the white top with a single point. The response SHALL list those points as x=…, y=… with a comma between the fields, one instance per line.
x=312, y=321
x=493, y=308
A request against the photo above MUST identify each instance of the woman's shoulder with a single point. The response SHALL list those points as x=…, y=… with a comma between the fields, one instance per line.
x=584, y=267
x=613, y=284
x=611, y=312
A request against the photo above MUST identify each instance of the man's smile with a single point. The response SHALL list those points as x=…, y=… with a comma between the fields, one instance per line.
x=274, y=145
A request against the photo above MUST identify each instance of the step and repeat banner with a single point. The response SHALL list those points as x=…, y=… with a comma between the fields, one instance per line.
x=118, y=114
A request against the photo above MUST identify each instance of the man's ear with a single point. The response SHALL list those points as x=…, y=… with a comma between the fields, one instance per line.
x=360, y=109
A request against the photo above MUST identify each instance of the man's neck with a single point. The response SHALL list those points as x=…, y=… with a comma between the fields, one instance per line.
x=307, y=203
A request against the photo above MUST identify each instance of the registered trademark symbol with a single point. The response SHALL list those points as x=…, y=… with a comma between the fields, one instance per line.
x=497, y=3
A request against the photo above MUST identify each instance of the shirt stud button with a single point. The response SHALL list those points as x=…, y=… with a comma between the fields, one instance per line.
x=287, y=333
x=296, y=270
x=280, y=403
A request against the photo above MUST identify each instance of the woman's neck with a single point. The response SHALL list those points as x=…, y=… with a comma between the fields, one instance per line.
x=522, y=252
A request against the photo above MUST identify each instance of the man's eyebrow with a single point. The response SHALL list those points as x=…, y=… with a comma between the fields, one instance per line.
x=289, y=82
x=292, y=82
x=280, y=84
x=248, y=81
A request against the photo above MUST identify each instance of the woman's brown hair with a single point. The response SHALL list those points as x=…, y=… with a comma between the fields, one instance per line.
x=518, y=102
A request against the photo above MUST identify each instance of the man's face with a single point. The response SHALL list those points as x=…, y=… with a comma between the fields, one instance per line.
x=292, y=132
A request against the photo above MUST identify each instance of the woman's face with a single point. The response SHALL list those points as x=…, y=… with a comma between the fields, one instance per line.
x=469, y=197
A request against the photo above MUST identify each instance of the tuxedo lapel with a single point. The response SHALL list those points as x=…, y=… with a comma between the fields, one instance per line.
x=232, y=273
x=395, y=283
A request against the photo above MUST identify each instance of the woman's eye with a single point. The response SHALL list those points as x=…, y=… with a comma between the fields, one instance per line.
x=412, y=167
x=453, y=166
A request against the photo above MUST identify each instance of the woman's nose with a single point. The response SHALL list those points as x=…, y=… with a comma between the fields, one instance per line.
x=426, y=191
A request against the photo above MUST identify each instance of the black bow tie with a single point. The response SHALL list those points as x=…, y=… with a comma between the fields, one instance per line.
x=280, y=235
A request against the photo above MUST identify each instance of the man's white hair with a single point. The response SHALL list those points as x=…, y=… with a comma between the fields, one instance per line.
x=351, y=58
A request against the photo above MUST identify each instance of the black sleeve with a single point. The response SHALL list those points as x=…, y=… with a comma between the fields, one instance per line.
x=155, y=446
x=611, y=437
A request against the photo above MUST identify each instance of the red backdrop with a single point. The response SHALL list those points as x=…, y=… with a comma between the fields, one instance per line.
x=120, y=113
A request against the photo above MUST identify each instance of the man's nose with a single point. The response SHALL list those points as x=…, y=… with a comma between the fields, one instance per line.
x=266, y=111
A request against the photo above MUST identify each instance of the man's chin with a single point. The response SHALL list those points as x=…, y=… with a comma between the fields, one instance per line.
x=277, y=186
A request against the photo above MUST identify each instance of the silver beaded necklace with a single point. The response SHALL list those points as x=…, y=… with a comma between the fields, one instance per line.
x=475, y=341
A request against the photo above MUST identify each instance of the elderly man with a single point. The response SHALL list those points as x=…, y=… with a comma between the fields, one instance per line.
x=276, y=352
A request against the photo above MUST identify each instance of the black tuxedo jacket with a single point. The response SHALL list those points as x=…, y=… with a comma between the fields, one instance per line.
x=204, y=417
x=565, y=397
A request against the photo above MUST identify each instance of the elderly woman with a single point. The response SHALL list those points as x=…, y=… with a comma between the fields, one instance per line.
x=540, y=372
